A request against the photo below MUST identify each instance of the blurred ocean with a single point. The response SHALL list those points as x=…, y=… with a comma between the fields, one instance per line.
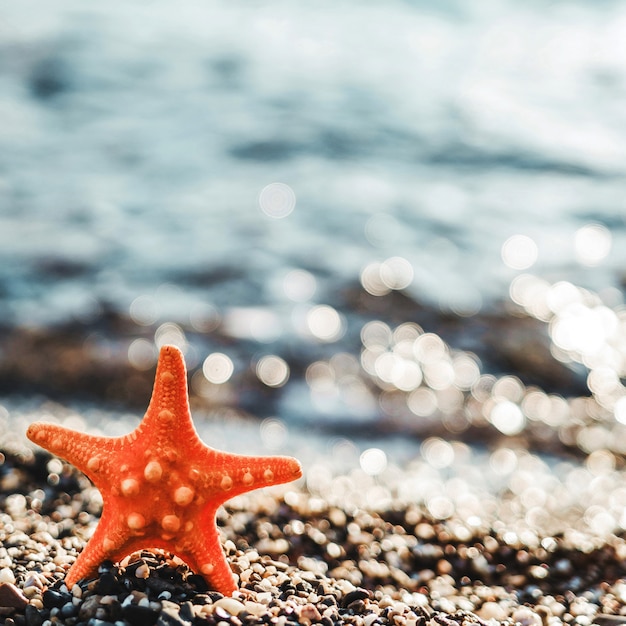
x=371, y=218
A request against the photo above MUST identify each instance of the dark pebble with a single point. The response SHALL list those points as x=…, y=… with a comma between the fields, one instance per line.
x=106, y=566
x=186, y=611
x=33, y=617
x=171, y=617
x=357, y=607
x=54, y=598
x=609, y=620
x=89, y=607
x=140, y=615
x=215, y=595
x=198, y=582
x=68, y=610
x=159, y=585
x=108, y=584
x=353, y=596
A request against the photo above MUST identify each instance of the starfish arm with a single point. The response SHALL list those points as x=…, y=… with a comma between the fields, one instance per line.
x=235, y=474
x=105, y=543
x=168, y=415
x=206, y=556
x=76, y=447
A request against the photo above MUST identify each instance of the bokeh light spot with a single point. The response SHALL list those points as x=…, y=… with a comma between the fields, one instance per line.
x=299, y=285
x=373, y=461
x=396, y=273
x=422, y=402
x=592, y=244
x=437, y=452
x=204, y=318
x=272, y=371
x=170, y=333
x=277, y=200
x=257, y=323
x=376, y=334
x=440, y=507
x=519, y=252
x=372, y=281
x=325, y=323
x=144, y=310
x=620, y=410
x=141, y=354
x=507, y=417
x=217, y=368
x=273, y=433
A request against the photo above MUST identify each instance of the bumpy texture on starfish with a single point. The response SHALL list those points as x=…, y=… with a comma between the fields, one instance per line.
x=161, y=485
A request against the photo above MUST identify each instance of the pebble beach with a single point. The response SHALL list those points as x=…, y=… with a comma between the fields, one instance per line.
x=316, y=555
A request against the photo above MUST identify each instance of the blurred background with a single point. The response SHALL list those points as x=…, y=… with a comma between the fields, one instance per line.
x=380, y=231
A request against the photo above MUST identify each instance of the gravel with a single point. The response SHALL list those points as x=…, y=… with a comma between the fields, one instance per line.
x=300, y=559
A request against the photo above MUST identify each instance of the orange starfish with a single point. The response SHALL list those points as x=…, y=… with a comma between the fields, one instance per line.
x=161, y=485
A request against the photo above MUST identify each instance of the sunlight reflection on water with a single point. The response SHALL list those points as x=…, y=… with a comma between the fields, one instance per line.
x=428, y=174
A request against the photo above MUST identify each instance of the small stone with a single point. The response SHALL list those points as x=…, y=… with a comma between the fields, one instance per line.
x=140, y=615
x=68, y=610
x=88, y=608
x=12, y=597
x=7, y=575
x=32, y=616
x=230, y=605
x=368, y=620
x=186, y=611
x=353, y=596
x=108, y=584
x=609, y=620
x=143, y=571
x=54, y=598
x=492, y=610
x=35, y=580
x=309, y=614
x=171, y=617
x=525, y=617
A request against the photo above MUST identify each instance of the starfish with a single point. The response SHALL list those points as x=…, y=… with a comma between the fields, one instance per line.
x=161, y=485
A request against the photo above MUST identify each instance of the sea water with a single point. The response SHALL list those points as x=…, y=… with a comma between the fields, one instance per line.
x=276, y=173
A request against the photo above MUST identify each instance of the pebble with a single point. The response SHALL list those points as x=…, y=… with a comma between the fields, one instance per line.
x=55, y=598
x=396, y=568
x=526, y=617
x=609, y=620
x=7, y=575
x=140, y=615
x=12, y=597
x=492, y=610
x=230, y=605
x=309, y=614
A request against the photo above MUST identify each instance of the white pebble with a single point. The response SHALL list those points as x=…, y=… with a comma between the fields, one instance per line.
x=255, y=608
x=526, y=617
x=369, y=619
x=234, y=607
x=7, y=575
x=492, y=610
